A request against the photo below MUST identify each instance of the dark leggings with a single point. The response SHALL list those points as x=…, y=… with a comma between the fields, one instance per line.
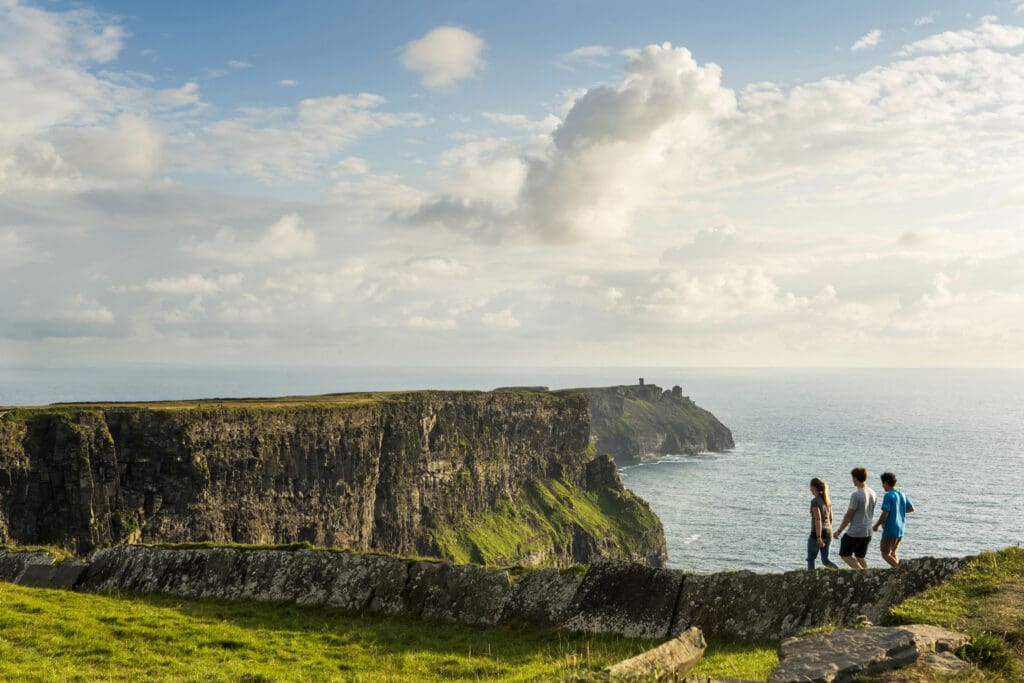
x=813, y=549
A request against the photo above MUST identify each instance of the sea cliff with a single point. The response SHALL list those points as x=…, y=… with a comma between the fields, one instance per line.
x=489, y=477
x=641, y=421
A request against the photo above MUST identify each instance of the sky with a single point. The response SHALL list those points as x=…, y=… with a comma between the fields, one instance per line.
x=798, y=184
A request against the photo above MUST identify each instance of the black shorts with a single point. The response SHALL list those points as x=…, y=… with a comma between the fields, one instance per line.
x=850, y=545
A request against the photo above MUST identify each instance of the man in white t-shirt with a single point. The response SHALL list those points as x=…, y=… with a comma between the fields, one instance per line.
x=853, y=546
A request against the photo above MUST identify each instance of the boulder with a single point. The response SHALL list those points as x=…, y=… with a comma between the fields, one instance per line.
x=629, y=599
x=668, y=662
x=841, y=656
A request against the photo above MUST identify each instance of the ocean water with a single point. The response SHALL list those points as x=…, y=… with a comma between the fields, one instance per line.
x=955, y=439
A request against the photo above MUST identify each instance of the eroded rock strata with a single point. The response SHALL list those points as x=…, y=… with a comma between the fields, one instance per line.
x=490, y=477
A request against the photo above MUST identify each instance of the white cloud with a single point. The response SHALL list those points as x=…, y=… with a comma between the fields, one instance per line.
x=607, y=153
x=418, y=322
x=282, y=241
x=868, y=40
x=588, y=55
x=987, y=34
x=500, y=320
x=444, y=56
x=521, y=122
x=239, y=64
x=194, y=284
x=924, y=20
x=285, y=145
x=287, y=82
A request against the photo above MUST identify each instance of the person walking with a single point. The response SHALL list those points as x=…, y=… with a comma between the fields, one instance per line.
x=821, y=525
x=853, y=547
x=895, y=506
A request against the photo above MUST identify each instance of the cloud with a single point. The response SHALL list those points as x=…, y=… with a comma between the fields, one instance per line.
x=500, y=320
x=520, y=122
x=287, y=82
x=924, y=20
x=589, y=55
x=274, y=145
x=238, y=64
x=283, y=240
x=987, y=34
x=444, y=56
x=194, y=284
x=606, y=155
x=418, y=322
x=868, y=40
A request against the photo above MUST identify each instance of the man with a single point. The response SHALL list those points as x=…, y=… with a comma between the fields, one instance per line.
x=853, y=547
x=895, y=506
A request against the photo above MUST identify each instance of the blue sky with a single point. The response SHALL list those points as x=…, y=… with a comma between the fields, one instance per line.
x=804, y=183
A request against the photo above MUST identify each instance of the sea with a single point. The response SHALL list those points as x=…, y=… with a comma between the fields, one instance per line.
x=954, y=438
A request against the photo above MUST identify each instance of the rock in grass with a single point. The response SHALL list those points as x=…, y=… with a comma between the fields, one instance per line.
x=841, y=656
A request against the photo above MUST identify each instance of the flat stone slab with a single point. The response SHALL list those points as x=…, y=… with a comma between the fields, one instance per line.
x=632, y=600
x=668, y=662
x=840, y=656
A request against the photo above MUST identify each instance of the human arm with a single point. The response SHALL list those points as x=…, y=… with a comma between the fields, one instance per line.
x=816, y=521
x=881, y=520
x=847, y=518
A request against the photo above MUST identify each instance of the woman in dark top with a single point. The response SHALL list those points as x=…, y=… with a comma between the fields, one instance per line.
x=821, y=524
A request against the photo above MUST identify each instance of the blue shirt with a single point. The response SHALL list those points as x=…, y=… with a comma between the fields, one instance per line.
x=896, y=504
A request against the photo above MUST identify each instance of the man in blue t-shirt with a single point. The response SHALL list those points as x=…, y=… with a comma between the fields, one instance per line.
x=895, y=506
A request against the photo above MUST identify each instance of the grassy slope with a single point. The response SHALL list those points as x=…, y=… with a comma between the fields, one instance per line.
x=986, y=600
x=543, y=518
x=60, y=635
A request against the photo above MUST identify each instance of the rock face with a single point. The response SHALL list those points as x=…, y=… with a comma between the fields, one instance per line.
x=634, y=423
x=416, y=473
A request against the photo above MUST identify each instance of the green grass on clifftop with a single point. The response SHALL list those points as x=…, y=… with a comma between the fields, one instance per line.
x=543, y=518
x=986, y=599
x=60, y=635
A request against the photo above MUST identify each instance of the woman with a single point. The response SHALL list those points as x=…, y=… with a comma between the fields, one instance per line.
x=821, y=524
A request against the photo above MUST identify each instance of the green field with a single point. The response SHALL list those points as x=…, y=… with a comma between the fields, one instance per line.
x=61, y=635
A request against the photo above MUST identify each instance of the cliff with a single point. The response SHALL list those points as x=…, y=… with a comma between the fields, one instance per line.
x=636, y=422
x=496, y=478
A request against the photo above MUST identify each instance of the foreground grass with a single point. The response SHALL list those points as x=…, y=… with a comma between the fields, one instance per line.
x=747, y=661
x=986, y=599
x=64, y=635
x=60, y=635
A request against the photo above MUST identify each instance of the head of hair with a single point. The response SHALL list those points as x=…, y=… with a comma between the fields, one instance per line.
x=859, y=473
x=889, y=479
x=821, y=487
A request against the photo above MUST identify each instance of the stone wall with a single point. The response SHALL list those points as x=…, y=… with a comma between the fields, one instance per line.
x=611, y=597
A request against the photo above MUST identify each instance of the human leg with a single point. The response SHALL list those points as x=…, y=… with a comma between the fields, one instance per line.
x=846, y=547
x=824, y=554
x=889, y=547
x=812, y=550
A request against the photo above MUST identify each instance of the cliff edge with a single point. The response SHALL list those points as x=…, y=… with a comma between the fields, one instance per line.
x=488, y=477
x=637, y=422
